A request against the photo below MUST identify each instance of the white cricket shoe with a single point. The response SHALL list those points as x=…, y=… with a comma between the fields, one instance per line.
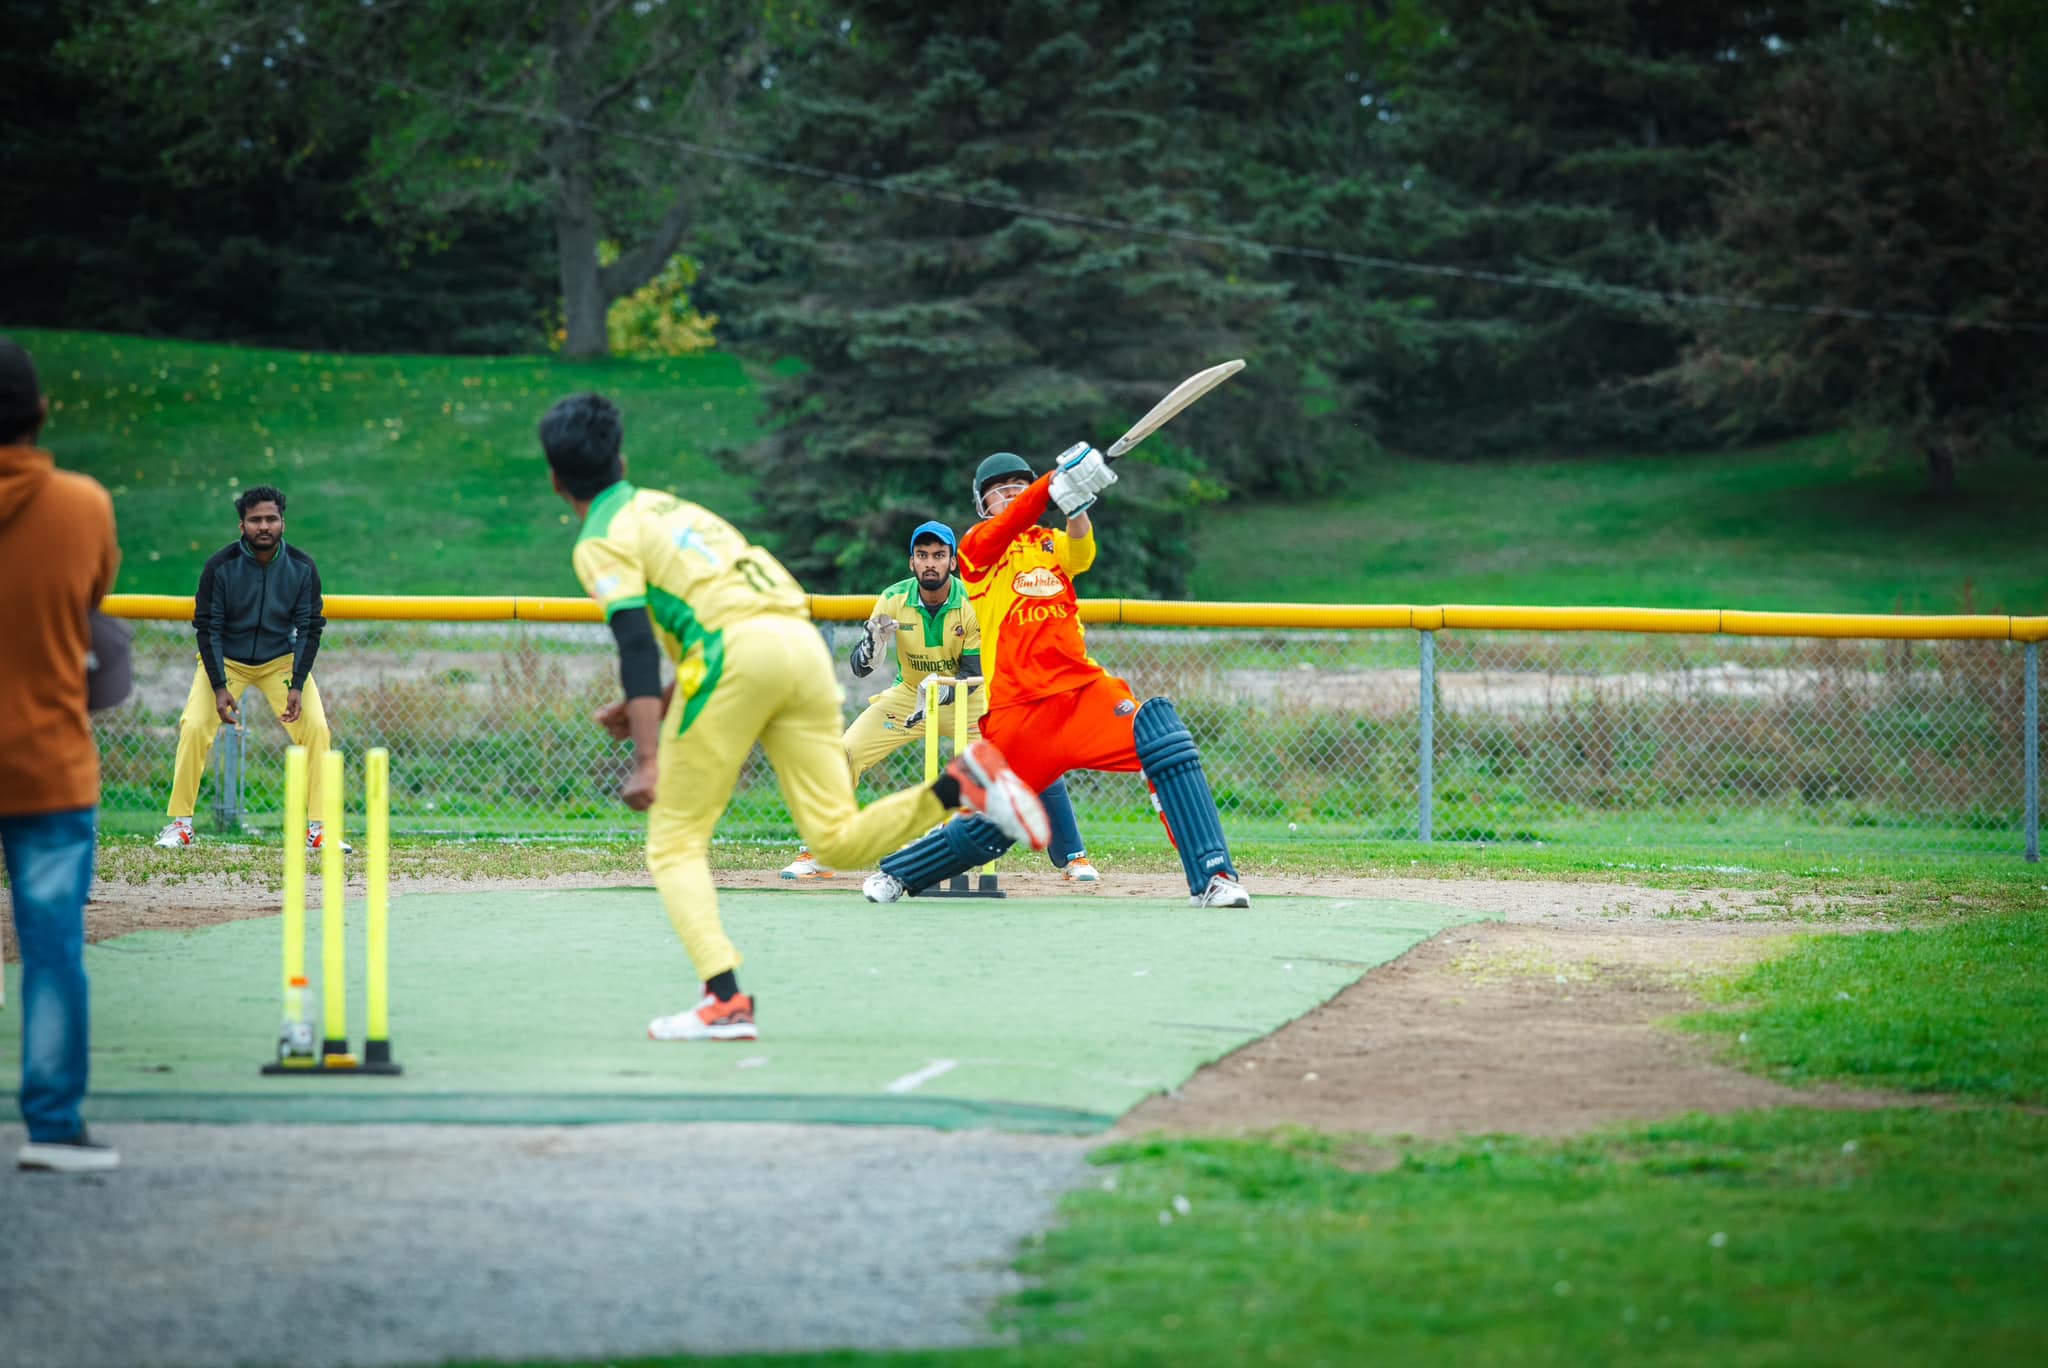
x=176, y=835
x=805, y=866
x=1079, y=870
x=882, y=888
x=710, y=1019
x=990, y=787
x=1223, y=891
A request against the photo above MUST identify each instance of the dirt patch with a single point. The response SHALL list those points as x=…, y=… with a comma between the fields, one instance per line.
x=1534, y=1027
x=1544, y=1022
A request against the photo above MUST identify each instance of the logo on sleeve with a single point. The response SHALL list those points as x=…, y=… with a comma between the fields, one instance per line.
x=1038, y=583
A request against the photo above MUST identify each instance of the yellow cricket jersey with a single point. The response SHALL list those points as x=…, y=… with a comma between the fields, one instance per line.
x=692, y=571
x=929, y=640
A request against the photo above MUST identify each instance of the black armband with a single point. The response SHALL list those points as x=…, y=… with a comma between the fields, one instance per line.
x=639, y=657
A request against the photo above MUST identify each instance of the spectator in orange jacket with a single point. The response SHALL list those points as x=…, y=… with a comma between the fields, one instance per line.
x=59, y=553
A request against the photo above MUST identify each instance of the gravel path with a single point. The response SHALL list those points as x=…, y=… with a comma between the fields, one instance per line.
x=358, y=1245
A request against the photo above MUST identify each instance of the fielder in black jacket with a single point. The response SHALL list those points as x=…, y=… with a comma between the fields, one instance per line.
x=257, y=614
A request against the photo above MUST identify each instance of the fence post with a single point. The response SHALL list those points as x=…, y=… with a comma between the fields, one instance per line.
x=1427, y=768
x=2032, y=744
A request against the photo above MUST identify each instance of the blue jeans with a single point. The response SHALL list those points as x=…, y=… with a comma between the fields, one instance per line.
x=49, y=868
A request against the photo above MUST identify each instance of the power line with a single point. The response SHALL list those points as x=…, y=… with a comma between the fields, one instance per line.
x=1514, y=279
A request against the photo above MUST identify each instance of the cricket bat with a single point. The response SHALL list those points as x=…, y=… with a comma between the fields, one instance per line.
x=1183, y=394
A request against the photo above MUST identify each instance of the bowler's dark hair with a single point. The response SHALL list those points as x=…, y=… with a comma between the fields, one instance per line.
x=581, y=436
x=21, y=410
x=256, y=494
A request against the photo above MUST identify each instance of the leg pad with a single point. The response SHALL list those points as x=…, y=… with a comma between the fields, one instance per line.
x=1174, y=767
x=954, y=848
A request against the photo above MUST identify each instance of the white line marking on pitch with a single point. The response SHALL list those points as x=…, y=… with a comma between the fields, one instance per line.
x=911, y=1082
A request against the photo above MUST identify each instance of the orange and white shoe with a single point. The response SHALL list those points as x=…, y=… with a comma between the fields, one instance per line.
x=710, y=1019
x=1079, y=870
x=805, y=866
x=315, y=838
x=176, y=835
x=990, y=787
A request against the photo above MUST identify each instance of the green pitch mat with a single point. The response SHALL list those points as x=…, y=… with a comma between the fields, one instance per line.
x=1037, y=1014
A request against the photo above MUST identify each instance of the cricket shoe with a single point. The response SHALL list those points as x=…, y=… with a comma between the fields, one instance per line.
x=79, y=1154
x=315, y=839
x=1223, y=891
x=990, y=787
x=710, y=1019
x=804, y=866
x=882, y=887
x=1079, y=870
x=176, y=835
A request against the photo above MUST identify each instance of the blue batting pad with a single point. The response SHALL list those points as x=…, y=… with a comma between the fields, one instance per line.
x=1167, y=751
x=955, y=848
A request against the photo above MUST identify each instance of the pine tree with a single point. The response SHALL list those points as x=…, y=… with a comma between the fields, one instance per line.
x=933, y=324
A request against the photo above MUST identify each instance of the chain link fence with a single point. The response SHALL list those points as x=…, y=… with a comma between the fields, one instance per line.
x=1570, y=738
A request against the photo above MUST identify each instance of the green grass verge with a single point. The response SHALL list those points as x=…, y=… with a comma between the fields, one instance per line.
x=1826, y=524
x=404, y=474
x=1961, y=1008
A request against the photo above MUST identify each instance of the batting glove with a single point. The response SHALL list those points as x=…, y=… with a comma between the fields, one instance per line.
x=1083, y=473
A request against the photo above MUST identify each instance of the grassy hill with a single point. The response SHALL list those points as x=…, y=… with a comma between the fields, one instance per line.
x=421, y=475
x=403, y=474
x=1826, y=524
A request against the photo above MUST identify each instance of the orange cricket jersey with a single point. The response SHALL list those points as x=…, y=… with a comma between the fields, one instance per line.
x=1020, y=579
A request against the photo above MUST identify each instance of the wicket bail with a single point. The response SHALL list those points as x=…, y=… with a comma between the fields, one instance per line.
x=985, y=884
x=295, y=1053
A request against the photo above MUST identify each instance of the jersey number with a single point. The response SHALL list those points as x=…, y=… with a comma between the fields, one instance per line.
x=759, y=578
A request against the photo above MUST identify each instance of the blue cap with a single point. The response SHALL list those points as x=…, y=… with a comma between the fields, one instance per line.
x=933, y=529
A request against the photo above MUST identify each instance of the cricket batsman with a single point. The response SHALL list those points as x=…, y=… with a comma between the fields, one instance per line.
x=925, y=622
x=674, y=578
x=1050, y=706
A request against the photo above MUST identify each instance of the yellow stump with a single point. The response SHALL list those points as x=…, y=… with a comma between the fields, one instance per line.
x=333, y=917
x=930, y=687
x=377, y=950
x=294, y=889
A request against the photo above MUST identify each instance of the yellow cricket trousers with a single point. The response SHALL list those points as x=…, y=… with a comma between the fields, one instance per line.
x=769, y=679
x=879, y=730
x=200, y=723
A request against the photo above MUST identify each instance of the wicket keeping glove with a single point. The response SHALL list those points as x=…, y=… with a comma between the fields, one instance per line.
x=1083, y=473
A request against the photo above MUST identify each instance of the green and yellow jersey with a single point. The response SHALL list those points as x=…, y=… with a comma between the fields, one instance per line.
x=693, y=572
x=928, y=640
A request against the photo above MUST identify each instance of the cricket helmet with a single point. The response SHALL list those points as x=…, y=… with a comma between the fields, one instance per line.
x=991, y=467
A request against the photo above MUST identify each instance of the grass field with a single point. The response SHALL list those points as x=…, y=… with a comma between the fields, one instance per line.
x=416, y=475
x=1827, y=524
x=442, y=451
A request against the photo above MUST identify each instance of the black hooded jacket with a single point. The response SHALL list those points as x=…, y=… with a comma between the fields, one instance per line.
x=250, y=613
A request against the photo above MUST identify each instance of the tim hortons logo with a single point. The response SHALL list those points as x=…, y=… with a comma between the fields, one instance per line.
x=1038, y=583
x=1039, y=612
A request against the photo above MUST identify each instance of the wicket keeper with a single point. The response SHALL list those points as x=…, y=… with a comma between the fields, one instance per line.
x=258, y=617
x=675, y=578
x=1050, y=706
x=927, y=624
